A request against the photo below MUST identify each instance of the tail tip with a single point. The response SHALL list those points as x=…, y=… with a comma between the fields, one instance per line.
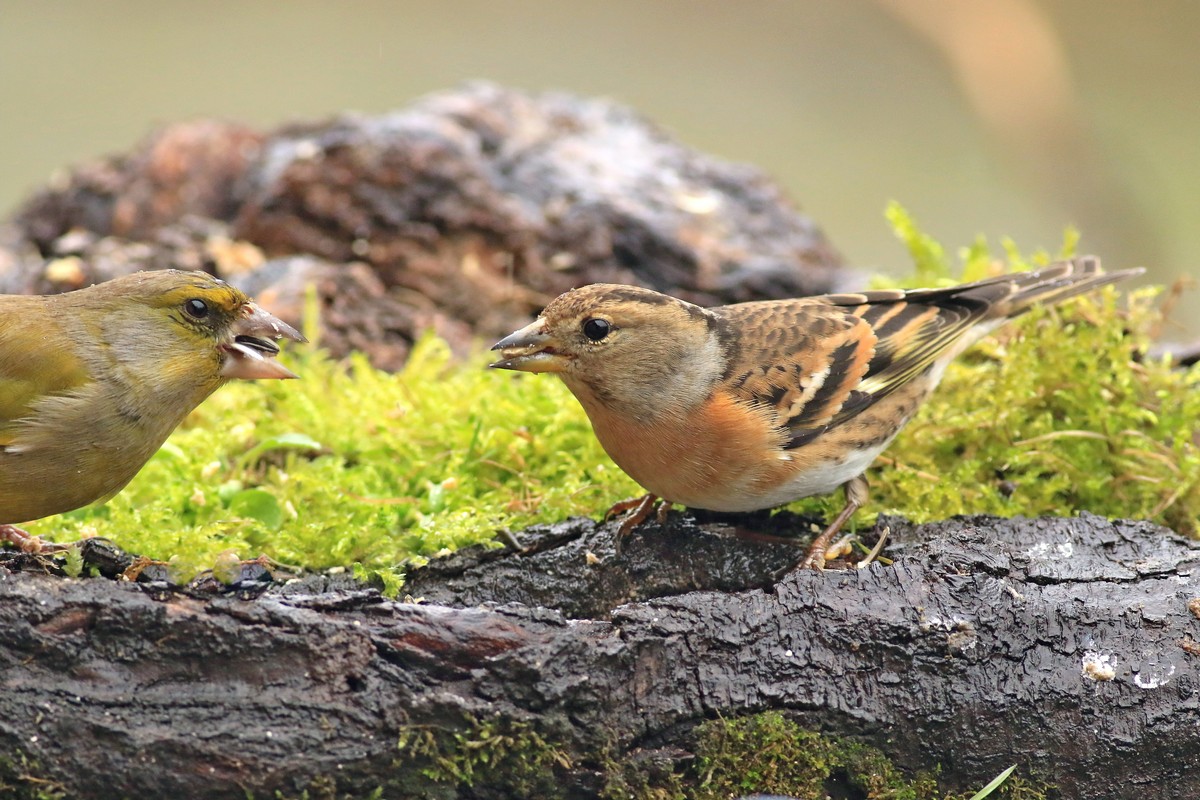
x=1090, y=265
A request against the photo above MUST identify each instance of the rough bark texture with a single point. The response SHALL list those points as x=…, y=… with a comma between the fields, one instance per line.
x=1065, y=645
x=465, y=213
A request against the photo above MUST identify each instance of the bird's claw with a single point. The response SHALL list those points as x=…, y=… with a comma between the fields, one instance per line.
x=814, y=561
x=621, y=506
x=26, y=543
x=641, y=508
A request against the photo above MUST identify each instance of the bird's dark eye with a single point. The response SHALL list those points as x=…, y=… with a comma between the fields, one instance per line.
x=596, y=329
x=196, y=308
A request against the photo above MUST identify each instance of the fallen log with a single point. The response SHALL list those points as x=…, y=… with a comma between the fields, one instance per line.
x=1066, y=646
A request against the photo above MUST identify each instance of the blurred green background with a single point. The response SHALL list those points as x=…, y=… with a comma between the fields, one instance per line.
x=1004, y=118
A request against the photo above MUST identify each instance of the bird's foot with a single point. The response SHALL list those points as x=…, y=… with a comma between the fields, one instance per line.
x=621, y=506
x=639, y=508
x=26, y=543
x=818, y=551
x=814, y=559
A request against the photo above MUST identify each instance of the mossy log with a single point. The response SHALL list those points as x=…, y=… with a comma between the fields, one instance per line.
x=1066, y=646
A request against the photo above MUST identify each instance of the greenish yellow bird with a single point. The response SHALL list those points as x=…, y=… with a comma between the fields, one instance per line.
x=92, y=382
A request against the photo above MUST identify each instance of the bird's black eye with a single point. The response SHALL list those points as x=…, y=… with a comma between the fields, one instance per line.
x=196, y=308
x=596, y=329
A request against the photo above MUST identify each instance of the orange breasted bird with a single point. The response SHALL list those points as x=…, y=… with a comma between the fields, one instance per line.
x=754, y=405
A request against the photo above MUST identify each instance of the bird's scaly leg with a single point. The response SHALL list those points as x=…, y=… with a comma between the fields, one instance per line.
x=26, y=543
x=641, y=508
x=856, y=497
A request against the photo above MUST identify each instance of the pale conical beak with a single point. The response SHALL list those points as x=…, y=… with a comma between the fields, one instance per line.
x=530, y=349
x=251, y=354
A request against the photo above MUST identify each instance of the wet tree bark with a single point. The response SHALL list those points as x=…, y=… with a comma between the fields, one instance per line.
x=1067, y=646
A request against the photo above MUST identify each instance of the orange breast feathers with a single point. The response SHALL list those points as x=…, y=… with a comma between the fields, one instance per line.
x=711, y=457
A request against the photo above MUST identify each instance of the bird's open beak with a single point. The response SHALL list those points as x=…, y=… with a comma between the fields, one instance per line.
x=251, y=354
x=530, y=349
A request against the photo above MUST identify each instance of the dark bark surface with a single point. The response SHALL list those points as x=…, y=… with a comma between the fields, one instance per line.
x=466, y=212
x=1065, y=645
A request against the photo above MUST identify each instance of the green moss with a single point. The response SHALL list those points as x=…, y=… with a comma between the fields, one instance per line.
x=353, y=466
x=508, y=757
x=1052, y=414
x=769, y=753
x=764, y=752
x=322, y=788
x=761, y=753
x=21, y=779
x=646, y=776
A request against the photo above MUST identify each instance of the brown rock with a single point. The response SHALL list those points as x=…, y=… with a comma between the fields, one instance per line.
x=472, y=209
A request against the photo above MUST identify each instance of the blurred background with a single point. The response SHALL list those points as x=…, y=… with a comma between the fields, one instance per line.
x=1008, y=118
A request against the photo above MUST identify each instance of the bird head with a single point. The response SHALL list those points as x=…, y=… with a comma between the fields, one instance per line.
x=622, y=346
x=180, y=331
x=197, y=311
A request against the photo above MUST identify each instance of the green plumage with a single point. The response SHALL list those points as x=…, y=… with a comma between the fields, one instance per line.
x=92, y=382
